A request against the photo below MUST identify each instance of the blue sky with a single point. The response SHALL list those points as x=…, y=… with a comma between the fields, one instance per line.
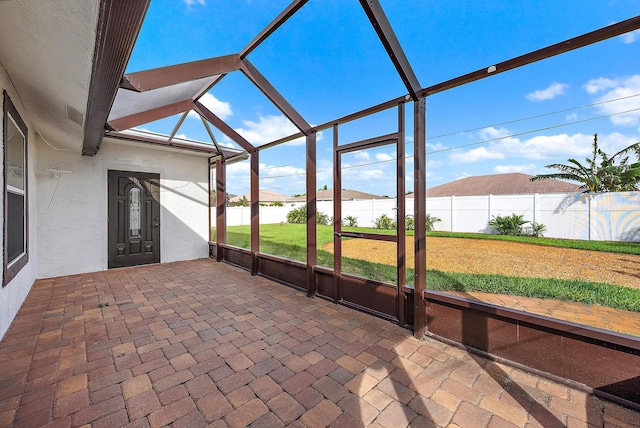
x=328, y=62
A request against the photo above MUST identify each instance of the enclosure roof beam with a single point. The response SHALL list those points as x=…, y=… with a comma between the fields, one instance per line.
x=381, y=24
x=273, y=26
x=127, y=122
x=213, y=137
x=276, y=98
x=341, y=120
x=117, y=30
x=599, y=35
x=209, y=116
x=165, y=76
x=583, y=40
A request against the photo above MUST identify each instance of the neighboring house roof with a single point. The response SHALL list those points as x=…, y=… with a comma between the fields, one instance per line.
x=327, y=195
x=264, y=196
x=500, y=184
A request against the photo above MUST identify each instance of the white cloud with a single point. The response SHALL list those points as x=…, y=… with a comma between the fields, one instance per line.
x=286, y=179
x=278, y=171
x=504, y=169
x=357, y=175
x=630, y=37
x=435, y=147
x=270, y=128
x=600, y=84
x=549, y=146
x=549, y=93
x=614, y=142
x=572, y=117
x=383, y=157
x=557, y=147
x=475, y=155
x=192, y=2
x=222, y=109
x=492, y=133
x=238, y=175
x=611, y=89
x=362, y=155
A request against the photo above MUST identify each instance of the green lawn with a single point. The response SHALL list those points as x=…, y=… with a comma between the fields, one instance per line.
x=289, y=240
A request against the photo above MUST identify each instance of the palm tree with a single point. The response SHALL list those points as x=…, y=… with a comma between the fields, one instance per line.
x=603, y=177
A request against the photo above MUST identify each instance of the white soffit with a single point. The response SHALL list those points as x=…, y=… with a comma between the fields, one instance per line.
x=130, y=102
x=47, y=49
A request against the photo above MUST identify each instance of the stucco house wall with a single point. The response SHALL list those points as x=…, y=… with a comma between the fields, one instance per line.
x=72, y=205
x=67, y=224
x=14, y=293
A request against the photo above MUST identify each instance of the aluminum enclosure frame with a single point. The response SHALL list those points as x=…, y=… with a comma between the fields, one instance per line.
x=411, y=305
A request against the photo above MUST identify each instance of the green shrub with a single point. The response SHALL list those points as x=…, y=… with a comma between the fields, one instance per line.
x=322, y=218
x=350, y=221
x=430, y=221
x=409, y=223
x=537, y=230
x=299, y=216
x=508, y=225
x=513, y=225
x=385, y=222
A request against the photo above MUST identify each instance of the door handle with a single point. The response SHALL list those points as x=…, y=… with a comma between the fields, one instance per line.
x=156, y=222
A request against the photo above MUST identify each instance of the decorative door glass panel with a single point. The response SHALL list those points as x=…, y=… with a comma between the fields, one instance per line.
x=134, y=212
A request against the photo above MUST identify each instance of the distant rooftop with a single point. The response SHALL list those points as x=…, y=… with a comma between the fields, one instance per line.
x=500, y=184
x=326, y=195
x=264, y=196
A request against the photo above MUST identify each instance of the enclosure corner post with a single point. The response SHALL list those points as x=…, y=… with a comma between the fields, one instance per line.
x=255, y=211
x=312, y=252
x=419, y=212
x=337, y=216
x=221, y=198
x=401, y=212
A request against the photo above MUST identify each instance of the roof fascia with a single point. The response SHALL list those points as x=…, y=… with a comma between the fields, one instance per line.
x=165, y=76
x=381, y=25
x=196, y=147
x=272, y=27
x=274, y=96
x=222, y=126
x=118, y=27
x=583, y=40
x=127, y=122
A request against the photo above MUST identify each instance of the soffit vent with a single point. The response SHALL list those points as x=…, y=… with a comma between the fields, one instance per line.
x=74, y=115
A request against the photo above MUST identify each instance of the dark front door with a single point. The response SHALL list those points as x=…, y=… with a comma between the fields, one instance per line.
x=134, y=218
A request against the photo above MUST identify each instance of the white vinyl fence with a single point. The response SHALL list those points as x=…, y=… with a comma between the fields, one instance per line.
x=605, y=216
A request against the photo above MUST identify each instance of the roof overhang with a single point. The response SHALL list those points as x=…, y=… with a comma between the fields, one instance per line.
x=64, y=60
x=119, y=23
x=160, y=140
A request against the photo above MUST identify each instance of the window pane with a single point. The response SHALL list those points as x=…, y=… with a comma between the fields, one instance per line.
x=15, y=223
x=15, y=156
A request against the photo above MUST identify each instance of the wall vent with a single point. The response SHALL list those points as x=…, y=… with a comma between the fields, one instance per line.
x=74, y=115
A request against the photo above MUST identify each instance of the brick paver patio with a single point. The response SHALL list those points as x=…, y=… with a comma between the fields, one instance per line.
x=200, y=343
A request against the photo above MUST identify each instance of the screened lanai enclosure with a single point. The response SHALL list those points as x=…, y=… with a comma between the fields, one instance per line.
x=412, y=290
